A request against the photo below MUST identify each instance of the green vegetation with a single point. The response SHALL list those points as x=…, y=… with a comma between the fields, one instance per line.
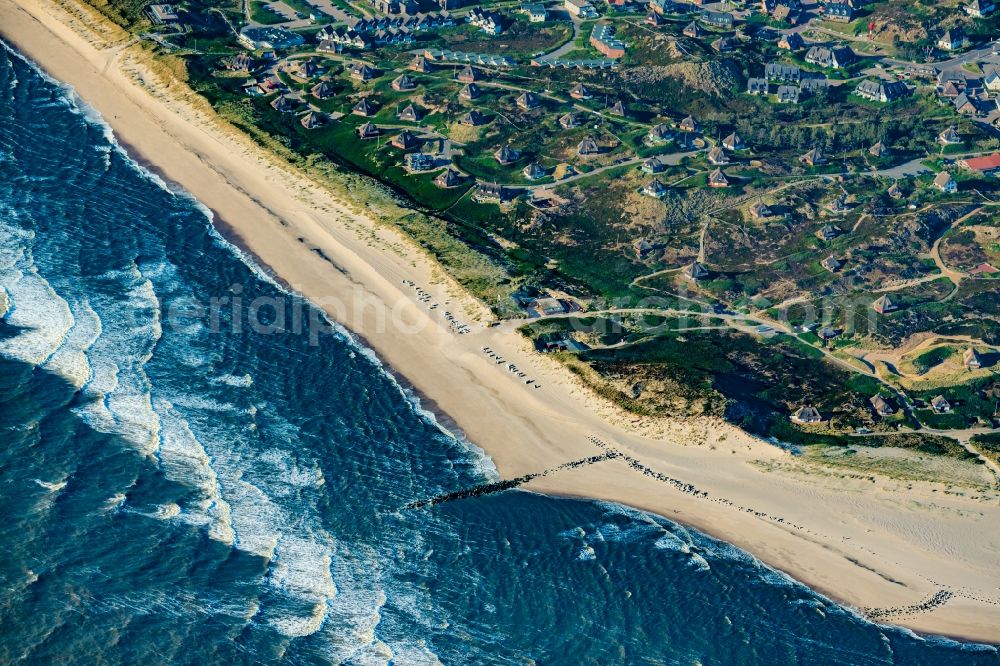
x=832, y=243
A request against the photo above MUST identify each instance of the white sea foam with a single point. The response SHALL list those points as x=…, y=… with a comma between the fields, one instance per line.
x=240, y=485
x=183, y=459
x=70, y=360
x=415, y=654
x=698, y=562
x=52, y=486
x=483, y=463
x=42, y=316
x=238, y=381
x=118, y=388
x=114, y=502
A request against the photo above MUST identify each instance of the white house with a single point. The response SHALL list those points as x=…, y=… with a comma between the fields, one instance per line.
x=580, y=9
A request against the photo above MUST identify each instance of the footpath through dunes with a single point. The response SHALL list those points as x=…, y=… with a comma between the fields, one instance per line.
x=865, y=537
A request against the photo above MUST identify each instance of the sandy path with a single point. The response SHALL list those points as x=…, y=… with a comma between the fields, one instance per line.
x=871, y=544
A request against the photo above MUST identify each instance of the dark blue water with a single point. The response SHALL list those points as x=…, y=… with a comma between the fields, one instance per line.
x=180, y=494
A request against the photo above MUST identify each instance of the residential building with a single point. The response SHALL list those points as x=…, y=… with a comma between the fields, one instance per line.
x=256, y=38
x=882, y=91
x=536, y=12
x=940, y=404
x=403, y=83
x=836, y=57
x=953, y=40
x=534, y=171
x=580, y=9
x=760, y=211
x=419, y=161
x=716, y=156
x=312, y=120
x=420, y=64
x=971, y=359
x=162, y=14
x=946, y=183
x=733, y=142
x=692, y=30
x=723, y=20
x=489, y=22
x=757, y=86
x=528, y=101
x=655, y=189
x=881, y=406
x=285, y=104
x=992, y=80
x=323, y=90
x=364, y=108
x=368, y=131
x=410, y=114
x=837, y=206
x=361, y=71
x=883, y=305
x=966, y=105
x=718, y=179
x=242, y=63
x=813, y=158
x=788, y=94
x=602, y=38
x=980, y=8
x=838, y=11
x=806, y=415
x=695, y=271
x=661, y=7
x=569, y=120
x=828, y=232
x=507, y=155
x=986, y=164
x=469, y=92
x=588, y=147
x=791, y=42
x=832, y=264
x=491, y=193
x=468, y=74
x=879, y=150
x=652, y=166
x=775, y=72
x=473, y=119
x=949, y=137
x=448, y=178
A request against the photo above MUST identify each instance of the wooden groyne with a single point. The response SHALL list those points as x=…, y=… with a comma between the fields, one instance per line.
x=507, y=484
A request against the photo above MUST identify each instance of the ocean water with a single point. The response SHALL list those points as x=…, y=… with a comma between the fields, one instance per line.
x=180, y=494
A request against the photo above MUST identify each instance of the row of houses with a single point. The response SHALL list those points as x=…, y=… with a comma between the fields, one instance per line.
x=831, y=57
x=483, y=59
x=338, y=38
x=882, y=91
x=416, y=23
x=602, y=38
x=489, y=22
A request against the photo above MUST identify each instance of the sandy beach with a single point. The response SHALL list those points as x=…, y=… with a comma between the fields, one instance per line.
x=868, y=542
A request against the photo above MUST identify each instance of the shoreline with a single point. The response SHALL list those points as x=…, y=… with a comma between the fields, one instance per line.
x=857, y=545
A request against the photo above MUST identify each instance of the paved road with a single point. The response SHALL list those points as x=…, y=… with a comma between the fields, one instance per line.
x=565, y=48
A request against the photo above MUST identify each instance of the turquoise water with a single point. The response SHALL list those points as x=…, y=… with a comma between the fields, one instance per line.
x=181, y=494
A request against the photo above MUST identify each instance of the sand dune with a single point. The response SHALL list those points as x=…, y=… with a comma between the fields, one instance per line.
x=868, y=543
